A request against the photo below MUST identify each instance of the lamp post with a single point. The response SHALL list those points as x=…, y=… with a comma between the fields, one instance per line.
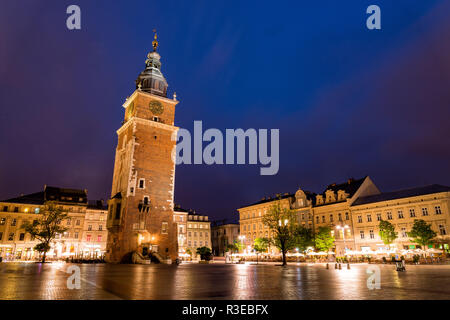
x=343, y=234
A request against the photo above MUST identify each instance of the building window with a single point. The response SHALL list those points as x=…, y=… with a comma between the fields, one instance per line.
x=68, y=222
x=404, y=233
x=442, y=230
x=378, y=216
x=76, y=235
x=37, y=210
x=88, y=238
x=331, y=218
x=206, y=243
x=359, y=219
x=145, y=200
x=346, y=216
x=389, y=215
x=195, y=243
x=11, y=236
x=424, y=211
x=317, y=219
x=2, y=221
x=16, y=209
x=14, y=222
x=201, y=243
x=400, y=214
x=189, y=243
x=369, y=218
x=118, y=208
x=99, y=238
x=1, y=236
x=340, y=217
x=437, y=209
x=90, y=227
x=141, y=183
x=412, y=213
x=164, y=227
x=206, y=234
x=372, y=234
x=323, y=219
x=100, y=227
x=361, y=233
x=5, y=208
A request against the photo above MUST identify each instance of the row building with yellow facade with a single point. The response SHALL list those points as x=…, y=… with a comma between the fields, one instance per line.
x=353, y=210
x=86, y=233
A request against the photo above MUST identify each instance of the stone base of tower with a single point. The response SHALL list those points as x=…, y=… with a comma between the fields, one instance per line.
x=162, y=243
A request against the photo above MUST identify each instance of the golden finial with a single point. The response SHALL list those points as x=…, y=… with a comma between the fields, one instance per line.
x=155, y=42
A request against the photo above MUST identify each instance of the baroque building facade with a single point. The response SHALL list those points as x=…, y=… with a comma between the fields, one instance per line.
x=86, y=232
x=141, y=210
x=353, y=210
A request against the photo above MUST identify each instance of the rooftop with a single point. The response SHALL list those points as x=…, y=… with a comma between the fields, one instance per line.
x=406, y=193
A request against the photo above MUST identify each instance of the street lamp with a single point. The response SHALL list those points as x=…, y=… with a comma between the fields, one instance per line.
x=343, y=234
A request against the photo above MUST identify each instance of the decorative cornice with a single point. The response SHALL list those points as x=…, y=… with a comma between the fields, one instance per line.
x=153, y=96
x=155, y=124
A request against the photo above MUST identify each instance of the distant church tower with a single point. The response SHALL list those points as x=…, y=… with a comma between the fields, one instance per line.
x=140, y=214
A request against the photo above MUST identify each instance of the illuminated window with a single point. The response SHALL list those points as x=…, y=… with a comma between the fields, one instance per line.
x=37, y=210
x=88, y=238
x=14, y=222
x=2, y=221
x=164, y=227
x=99, y=238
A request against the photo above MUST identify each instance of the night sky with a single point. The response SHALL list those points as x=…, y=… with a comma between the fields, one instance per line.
x=348, y=101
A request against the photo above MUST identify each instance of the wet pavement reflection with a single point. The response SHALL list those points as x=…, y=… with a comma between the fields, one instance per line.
x=221, y=281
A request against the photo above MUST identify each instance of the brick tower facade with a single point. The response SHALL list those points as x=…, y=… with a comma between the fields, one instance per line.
x=140, y=216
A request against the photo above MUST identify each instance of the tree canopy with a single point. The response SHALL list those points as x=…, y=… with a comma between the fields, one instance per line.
x=387, y=232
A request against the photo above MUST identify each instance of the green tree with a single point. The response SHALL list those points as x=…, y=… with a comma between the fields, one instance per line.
x=205, y=253
x=260, y=245
x=282, y=223
x=387, y=232
x=235, y=247
x=304, y=238
x=421, y=233
x=46, y=227
x=324, y=240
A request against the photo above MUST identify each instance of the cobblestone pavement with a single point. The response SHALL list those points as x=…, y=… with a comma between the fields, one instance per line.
x=221, y=281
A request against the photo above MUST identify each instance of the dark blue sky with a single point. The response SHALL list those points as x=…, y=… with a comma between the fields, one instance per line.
x=348, y=101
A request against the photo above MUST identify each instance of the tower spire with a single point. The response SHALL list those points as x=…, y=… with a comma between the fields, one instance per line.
x=155, y=41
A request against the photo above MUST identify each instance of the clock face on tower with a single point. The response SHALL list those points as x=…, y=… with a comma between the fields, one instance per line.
x=156, y=107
